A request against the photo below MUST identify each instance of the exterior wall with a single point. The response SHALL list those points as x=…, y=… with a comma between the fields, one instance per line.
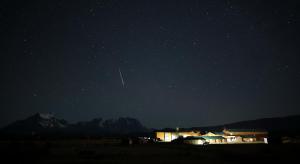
x=186, y=134
x=258, y=137
x=217, y=141
x=249, y=139
x=174, y=136
x=160, y=135
x=169, y=136
x=239, y=139
x=236, y=137
x=230, y=138
x=211, y=141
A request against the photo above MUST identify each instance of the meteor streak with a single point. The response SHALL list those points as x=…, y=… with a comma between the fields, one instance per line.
x=121, y=76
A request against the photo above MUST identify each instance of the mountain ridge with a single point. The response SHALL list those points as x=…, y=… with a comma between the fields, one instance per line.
x=45, y=123
x=273, y=124
x=41, y=123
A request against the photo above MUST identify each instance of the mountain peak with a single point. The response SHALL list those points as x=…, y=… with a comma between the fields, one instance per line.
x=47, y=123
x=46, y=116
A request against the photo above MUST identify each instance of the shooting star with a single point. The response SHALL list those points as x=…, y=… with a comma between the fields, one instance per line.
x=121, y=76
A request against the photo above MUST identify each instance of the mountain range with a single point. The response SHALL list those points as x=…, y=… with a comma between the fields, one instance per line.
x=46, y=124
x=41, y=123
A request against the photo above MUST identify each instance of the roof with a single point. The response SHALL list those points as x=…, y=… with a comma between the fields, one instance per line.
x=214, y=134
x=245, y=130
x=174, y=130
x=218, y=133
x=212, y=137
x=194, y=138
x=248, y=136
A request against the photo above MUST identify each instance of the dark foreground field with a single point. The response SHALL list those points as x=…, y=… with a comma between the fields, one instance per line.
x=93, y=152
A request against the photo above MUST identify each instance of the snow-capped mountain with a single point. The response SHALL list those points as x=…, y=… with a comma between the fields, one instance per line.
x=122, y=125
x=48, y=123
x=47, y=120
x=39, y=122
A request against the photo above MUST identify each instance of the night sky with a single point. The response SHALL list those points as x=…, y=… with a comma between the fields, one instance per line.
x=183, y=63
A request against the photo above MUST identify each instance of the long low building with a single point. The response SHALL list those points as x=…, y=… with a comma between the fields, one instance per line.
x=246, y=135
x=256, y=132
x=195, y=140
x=215, y=139
x=227, y=136
x=168, y=136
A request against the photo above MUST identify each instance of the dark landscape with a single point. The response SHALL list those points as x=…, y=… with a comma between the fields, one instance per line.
x=94, y=144
x=90, y=151
x=149, y=81
x=46, y=125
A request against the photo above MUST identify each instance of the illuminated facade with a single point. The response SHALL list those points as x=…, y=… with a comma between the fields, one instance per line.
x=246, y=136
x=227, y=136
x=168, y=136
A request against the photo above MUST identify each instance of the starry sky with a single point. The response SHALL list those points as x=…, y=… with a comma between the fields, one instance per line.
x=183, y=63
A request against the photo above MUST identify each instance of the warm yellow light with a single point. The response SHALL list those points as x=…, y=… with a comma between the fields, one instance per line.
x=160, y=135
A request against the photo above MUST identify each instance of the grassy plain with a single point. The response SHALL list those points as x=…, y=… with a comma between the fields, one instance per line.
x=98, y=151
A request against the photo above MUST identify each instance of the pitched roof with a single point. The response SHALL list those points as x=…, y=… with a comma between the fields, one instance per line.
x=194, y=138
x=248, y=136
x=246, y=130
x=212, y=137
x=218, y=133
x=179, y=131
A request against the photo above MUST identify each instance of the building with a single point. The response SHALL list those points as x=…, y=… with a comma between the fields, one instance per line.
x=195, y=140
x=249, y=138
x=227, y=136
x=215, y=139
x=246, y=135
x=241, y=132
x=168, y=136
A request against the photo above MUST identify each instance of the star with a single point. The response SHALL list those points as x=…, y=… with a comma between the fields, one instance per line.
x=228, y=35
